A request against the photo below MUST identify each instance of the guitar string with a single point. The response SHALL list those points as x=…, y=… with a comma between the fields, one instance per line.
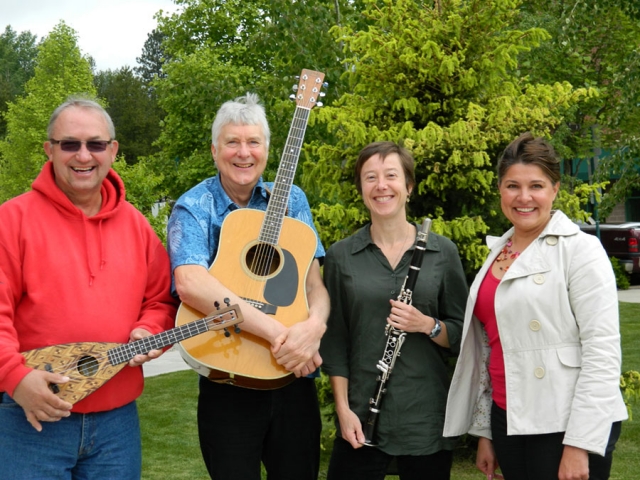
x=97, y=359
x=262, y=262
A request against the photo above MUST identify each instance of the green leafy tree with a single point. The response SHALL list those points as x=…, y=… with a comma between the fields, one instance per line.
x=442, y=79
x=593, y=44
x=218, y=50
x=17, y=61
x=60, y=71
x=133, y=109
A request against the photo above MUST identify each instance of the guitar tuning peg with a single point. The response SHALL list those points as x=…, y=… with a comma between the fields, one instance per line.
x=297, y=77
x=227, y=302
x=325, y=84
x=322, y=94
x=292, y=97
x=216, y=304
x=295, y=87
x=319, y=104
x=236, y=328
x=226, y=333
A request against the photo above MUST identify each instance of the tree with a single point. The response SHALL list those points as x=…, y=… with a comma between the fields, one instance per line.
x=133, y=109
x=60, y=71
x=153, y=58
x=218, y=50
x=441, y=79
x=594, y=44
x=17, y=60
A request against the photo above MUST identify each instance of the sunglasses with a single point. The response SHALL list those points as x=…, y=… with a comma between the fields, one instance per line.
x=75, y=145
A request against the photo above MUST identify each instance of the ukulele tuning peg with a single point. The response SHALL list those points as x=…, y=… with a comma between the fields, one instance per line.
x=236, y=329
x=226, y=333
x=227, y=302
x=325, y=84
x=217, y=305
x=292, y=96
x=322, y=94
x=319, y=104
x=294, y=88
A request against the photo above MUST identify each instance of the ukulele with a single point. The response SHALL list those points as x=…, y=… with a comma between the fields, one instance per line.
x=263, y=257
x=89, y=365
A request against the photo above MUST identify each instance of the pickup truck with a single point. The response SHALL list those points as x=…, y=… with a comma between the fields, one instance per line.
x=620, y=241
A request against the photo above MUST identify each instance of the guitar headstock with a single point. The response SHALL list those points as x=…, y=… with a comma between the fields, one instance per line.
x=224, y=317
x=309, y=88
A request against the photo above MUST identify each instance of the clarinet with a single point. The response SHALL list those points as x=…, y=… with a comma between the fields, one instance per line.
x=395, y=336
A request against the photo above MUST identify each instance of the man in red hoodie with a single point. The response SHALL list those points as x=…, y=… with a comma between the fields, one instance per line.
x=78, y=263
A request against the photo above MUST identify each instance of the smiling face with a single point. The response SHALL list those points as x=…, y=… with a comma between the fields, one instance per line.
x=384, y=186
x=80, y=174
x=526, y=198
x=240, y=156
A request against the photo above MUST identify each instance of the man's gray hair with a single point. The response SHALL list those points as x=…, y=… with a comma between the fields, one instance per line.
x=245, y=110
x=81, y=102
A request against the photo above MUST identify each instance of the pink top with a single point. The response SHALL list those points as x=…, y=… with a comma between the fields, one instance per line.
x=485, y=312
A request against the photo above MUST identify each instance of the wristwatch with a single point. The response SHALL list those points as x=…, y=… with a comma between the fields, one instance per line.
x=437, y=328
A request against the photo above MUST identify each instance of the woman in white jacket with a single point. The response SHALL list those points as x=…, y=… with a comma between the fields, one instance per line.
x=537, y=378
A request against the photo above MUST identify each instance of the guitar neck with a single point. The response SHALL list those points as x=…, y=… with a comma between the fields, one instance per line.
x=272, y=225
x=223, y=318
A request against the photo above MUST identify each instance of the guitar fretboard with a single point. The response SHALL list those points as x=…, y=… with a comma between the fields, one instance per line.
x=272, y=225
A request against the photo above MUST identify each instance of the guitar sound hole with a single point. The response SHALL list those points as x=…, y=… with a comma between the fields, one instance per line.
x=88, y=366
x=263, y=260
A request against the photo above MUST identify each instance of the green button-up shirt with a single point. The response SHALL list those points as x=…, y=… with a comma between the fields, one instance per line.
x=360, y=282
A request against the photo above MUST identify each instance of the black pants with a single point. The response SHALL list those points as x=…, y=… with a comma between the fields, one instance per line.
x=369, y=463
x=537, y=457
x=239, y=428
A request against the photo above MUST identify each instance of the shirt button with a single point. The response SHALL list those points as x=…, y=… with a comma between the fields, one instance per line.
x=534, y=325
x=538, y=279
x=392, y=292
x=552, y=241
x=539, y=372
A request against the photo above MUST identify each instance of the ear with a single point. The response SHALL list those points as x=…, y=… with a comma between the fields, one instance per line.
x=114, y=150
x=48, y=148
x=213, y=152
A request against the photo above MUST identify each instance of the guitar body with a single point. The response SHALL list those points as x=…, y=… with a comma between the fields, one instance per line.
x=85, y=363
x=271, y=278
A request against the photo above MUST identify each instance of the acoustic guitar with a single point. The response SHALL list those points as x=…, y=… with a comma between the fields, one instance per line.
x=89, y=365
x=263, y=257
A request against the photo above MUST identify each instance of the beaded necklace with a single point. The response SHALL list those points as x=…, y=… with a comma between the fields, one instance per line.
x=507, y=254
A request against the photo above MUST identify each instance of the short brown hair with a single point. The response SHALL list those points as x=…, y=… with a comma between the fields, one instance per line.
x=384, y=149
x=529, y=150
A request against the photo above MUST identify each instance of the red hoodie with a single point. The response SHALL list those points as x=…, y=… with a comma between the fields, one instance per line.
x=66, y=277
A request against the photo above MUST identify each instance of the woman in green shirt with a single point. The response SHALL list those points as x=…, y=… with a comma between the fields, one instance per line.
x=364, y=275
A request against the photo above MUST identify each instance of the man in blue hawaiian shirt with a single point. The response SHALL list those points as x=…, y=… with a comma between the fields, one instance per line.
x=241, y=427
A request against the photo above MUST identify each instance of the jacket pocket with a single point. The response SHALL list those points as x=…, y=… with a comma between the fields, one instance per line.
x=570, y=356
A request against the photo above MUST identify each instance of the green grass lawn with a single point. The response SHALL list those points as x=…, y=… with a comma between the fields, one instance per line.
x=170, y=439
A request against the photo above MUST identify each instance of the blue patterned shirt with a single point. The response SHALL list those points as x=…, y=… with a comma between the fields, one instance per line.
x=196, y=220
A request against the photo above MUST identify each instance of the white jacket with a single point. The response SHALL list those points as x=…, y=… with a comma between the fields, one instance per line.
x=557, y=315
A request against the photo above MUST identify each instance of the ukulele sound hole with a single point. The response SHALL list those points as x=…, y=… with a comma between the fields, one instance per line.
x=263, y=260
x=88, y=366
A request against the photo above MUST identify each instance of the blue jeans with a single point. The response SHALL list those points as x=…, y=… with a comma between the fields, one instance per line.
x=104, y=445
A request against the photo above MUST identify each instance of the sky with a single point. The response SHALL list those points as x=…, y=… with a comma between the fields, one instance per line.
x=113, y=32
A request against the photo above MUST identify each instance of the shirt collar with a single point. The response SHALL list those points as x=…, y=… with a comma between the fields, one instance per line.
x=362, y=239
x=224, y=204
